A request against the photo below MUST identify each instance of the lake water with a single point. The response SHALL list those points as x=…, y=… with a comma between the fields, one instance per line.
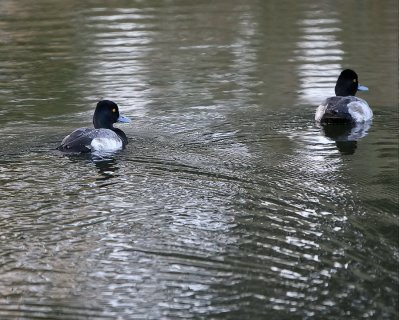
x=229, y=202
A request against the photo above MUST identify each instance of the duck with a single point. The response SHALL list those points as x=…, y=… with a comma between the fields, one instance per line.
x=103, y=137
x=345, y=107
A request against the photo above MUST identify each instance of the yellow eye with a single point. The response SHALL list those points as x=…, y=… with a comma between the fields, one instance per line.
x=114, y=110
x=354, y=80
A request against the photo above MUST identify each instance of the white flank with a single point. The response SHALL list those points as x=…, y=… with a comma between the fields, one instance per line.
x=320, y=112
x=65, y=139
x=107, y=142
x=360, y=110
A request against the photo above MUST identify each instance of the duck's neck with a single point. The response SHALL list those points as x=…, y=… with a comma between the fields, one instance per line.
x=344, y=93
x=346, y=89
x=98, y=124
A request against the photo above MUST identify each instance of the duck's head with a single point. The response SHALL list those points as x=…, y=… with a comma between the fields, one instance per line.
x=347, y=84
x=106, y=114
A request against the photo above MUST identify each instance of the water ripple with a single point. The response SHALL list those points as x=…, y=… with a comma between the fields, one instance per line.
x=228, y=202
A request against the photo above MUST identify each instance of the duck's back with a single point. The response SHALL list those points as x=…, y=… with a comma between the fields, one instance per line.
x=87, y=140
x=343, y=109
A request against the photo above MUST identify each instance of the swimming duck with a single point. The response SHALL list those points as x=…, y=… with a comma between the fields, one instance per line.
x=104, y=137
x=345, y=107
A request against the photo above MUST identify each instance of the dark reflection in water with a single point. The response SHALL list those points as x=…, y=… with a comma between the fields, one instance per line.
x=228, y=202
x=346, y=135
x=107, y=168
x=346, y=147
x=105, y=163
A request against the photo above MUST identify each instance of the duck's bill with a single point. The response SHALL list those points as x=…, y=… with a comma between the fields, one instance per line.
x=124, y=119
x=362, y=88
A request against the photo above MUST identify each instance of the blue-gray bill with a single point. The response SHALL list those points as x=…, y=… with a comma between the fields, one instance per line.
x=124, y=119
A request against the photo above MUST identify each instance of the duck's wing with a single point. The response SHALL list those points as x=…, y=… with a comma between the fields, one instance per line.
x=78, y=141
x=335, y=110
x=326, y=107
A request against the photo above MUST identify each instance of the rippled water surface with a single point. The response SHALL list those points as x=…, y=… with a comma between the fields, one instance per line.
x=228, y=202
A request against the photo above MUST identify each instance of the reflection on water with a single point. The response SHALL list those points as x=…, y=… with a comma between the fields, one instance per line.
x=107, y=168
x=320, y=54
x=346, y=135
x=105, y=163
x=346, y=147
x=228, y=202
x=347, y=132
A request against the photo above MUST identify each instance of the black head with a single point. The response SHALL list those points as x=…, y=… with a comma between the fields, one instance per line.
x=105, y=115
x=347, y=83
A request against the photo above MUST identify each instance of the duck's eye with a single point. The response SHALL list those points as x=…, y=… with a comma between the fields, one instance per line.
x=354, y=80
x=114, y=110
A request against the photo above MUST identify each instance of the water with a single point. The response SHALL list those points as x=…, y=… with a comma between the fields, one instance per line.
x=228, y=203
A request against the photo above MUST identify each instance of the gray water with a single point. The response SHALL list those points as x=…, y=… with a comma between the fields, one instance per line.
x=228, y=202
